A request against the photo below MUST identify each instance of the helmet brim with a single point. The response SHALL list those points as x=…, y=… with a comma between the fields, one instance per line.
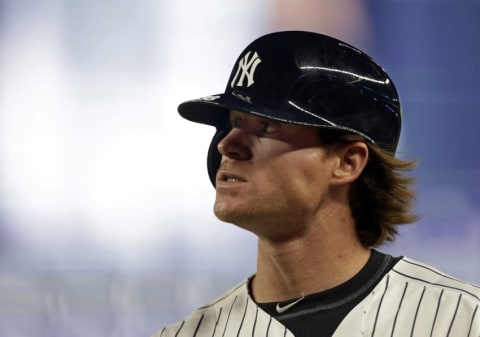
x=214, y=110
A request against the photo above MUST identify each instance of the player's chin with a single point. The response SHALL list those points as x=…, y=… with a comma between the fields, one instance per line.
x=222, y=211
x=227, y=211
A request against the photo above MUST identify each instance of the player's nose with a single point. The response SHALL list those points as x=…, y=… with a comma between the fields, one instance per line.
x=235, y=145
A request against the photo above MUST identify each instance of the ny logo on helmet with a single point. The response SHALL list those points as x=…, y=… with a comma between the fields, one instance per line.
x=246, y=69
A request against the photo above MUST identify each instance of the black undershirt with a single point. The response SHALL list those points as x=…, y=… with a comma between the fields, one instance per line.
x=320, y=314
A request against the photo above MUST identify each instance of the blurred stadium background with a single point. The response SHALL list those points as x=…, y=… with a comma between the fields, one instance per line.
x=106, y=226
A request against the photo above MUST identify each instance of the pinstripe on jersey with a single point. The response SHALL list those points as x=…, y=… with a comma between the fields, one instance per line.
x=413, y=299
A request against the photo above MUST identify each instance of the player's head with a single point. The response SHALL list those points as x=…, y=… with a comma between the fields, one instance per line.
x=305, y=78
x=308, y=79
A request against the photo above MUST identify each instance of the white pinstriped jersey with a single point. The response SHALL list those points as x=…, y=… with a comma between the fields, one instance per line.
x=412, y=299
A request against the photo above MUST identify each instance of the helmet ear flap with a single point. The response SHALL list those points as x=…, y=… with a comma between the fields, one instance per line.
x=214, y=157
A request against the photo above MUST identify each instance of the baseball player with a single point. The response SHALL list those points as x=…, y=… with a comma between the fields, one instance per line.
x=304, y=157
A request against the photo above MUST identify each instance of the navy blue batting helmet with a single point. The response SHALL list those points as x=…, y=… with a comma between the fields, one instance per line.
x=304, y=78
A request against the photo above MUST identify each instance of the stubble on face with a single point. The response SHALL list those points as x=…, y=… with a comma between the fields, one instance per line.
x=272, y=176
x=278, y=202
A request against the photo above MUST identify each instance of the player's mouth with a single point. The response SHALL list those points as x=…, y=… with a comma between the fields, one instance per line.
x=226, y=178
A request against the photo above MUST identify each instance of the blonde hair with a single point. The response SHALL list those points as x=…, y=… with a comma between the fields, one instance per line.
x=383, y=196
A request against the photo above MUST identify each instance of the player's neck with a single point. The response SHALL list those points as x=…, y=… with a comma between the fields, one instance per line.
x=301, y=266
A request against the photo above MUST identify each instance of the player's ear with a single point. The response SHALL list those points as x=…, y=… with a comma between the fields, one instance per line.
x=351, y=160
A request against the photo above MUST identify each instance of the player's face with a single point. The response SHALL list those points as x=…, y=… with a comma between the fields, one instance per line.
x=272, y=175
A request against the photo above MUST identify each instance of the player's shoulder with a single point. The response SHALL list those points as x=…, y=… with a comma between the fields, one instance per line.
x=207, y=313
x=428, y=276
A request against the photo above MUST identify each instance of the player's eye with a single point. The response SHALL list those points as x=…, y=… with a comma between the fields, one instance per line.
x=235, y=122
x=269, y=126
